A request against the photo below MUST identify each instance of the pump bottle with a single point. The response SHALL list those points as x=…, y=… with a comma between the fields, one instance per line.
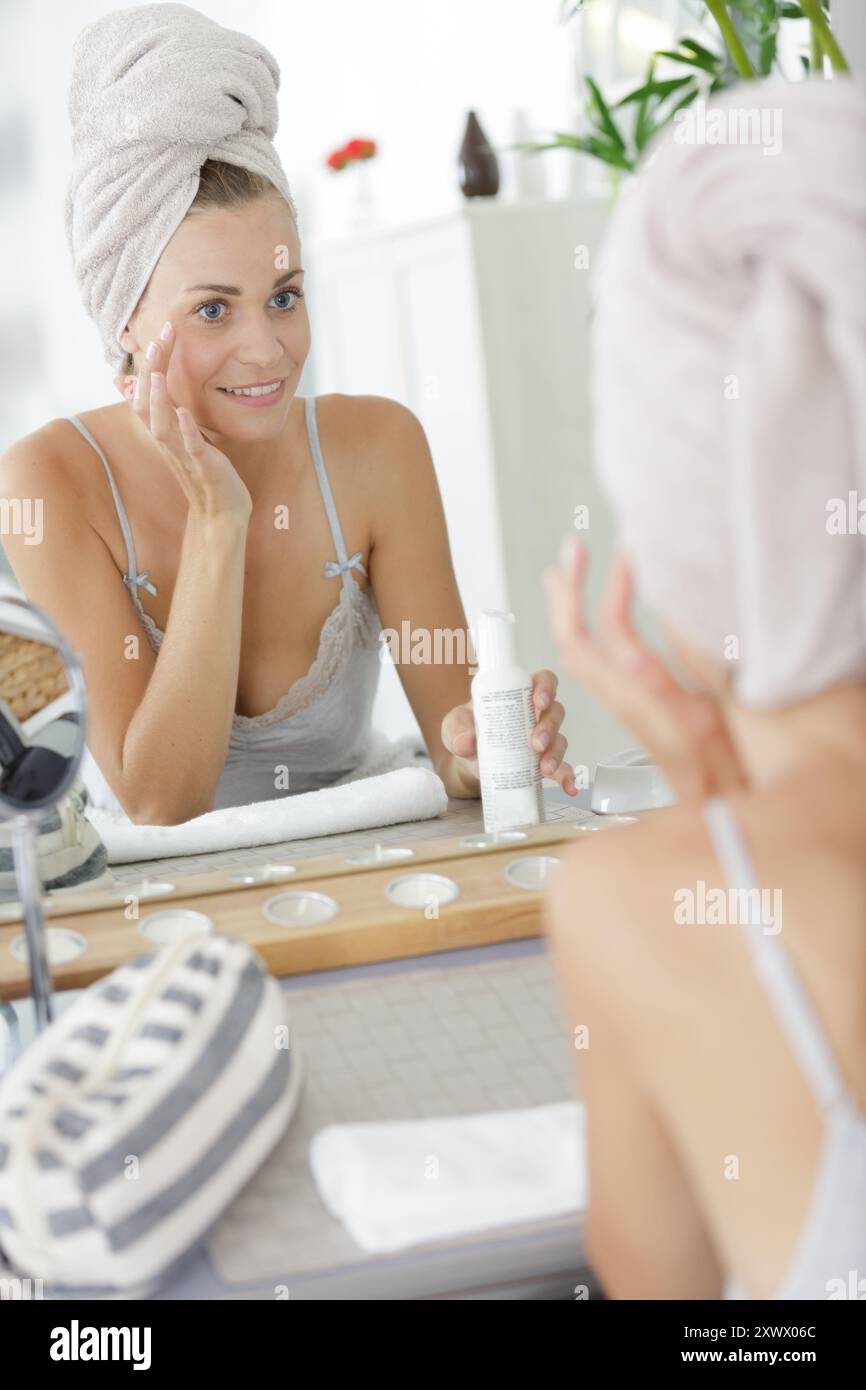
x=504, y=713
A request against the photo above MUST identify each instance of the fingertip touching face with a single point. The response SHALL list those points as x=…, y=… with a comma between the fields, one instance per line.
x=230, y=281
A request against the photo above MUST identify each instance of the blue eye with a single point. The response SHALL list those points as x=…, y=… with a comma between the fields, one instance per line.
x=292, y=294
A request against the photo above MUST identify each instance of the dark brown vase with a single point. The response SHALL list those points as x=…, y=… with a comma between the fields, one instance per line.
x=479, y=167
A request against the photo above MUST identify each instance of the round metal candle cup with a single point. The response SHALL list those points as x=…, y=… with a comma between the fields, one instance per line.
x=61, y=946
x=416, y=890
x=604, y=824
x=175, y=924
x=381, y=854
x=147, y=888
x=533, y=872
x=263, y=873
x=300, y=909
x=491, y=838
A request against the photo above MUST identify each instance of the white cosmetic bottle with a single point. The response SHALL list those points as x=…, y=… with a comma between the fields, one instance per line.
x=504, y=712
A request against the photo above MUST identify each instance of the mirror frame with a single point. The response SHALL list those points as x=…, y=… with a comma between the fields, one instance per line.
x=75, y=678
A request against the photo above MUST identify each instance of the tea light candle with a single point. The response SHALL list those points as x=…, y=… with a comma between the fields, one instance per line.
x=147, y=888
x=60, y=945
x=533, y=872
x=605, y=824
x=493, y=837
x=264, y=873
x=175, y=924
x=300, y=909
x=417, y=890
x=381, y=854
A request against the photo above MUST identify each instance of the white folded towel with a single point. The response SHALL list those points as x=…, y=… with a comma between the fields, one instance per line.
x=407, y=794
x=400, y=1182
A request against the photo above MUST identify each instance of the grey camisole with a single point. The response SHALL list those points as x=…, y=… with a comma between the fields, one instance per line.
x=831, y=1247
x=320, y=730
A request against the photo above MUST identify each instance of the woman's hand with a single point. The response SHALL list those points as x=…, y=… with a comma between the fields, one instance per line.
x=684, y=731
x=210, y=482
x=458, y=735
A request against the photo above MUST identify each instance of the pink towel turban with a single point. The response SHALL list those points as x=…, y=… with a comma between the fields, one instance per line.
x=155, y=91
x=729, y=386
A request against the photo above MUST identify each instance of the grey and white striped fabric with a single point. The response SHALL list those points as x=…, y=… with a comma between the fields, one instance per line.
x=132, y=1122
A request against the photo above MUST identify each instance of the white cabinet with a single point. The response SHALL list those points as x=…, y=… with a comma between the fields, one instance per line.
x=478, y=321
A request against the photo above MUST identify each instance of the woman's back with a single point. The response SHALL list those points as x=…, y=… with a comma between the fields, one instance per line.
x=741, y=1070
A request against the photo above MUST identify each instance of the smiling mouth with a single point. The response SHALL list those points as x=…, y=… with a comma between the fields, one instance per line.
x=267, y=388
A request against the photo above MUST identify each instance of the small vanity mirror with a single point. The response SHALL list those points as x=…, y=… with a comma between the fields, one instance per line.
x=43, y=727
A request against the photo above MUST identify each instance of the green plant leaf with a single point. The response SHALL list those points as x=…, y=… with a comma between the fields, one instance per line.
x=766, y=54
x=654, y=89
x=694, y=60
x=588, y=144
x=643, y=123
x=686, y=100
x=701, y=52
x=605, y=120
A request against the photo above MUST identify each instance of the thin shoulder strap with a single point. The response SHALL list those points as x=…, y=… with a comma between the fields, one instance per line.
x=132, y=577
x=342, y=565
x=772, y=963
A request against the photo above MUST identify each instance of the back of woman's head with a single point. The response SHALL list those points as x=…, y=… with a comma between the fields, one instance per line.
x=729, y=406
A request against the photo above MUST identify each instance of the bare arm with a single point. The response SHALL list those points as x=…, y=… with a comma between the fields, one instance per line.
x=174, y=748
x=158, y=727
x=412, y=573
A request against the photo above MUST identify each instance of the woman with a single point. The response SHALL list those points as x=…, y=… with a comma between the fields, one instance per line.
x=716, y=952
x=273, y=537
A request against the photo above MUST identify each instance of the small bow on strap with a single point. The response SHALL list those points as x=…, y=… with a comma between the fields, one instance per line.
x=142, y=580
x=333, y=567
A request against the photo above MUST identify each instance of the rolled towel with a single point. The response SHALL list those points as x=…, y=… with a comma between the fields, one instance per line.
x=404, y=794
x=401, y=1182
x=156, y=90
x=729, y=403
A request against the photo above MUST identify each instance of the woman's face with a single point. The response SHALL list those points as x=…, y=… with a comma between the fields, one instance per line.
x=230, y=282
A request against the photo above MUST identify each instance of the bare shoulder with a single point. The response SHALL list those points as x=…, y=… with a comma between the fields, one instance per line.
x=377, y=429
x=46, y=458
x=623, y=876
x=371, y=414
x=806, y=840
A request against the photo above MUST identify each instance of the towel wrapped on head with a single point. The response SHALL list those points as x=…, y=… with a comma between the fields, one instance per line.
x=156, y=90
x=729, y=386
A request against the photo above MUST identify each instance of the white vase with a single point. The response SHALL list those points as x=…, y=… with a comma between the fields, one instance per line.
x=361, y=214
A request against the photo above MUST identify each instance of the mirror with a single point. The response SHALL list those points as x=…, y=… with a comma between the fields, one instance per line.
x=43, y=726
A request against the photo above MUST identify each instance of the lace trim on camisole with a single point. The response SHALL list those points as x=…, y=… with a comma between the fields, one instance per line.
x=352, y=621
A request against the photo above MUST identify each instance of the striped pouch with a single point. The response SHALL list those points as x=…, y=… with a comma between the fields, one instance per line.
x=131, y=1123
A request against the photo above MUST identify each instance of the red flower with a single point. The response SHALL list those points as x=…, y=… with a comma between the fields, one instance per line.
x=354, y=149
